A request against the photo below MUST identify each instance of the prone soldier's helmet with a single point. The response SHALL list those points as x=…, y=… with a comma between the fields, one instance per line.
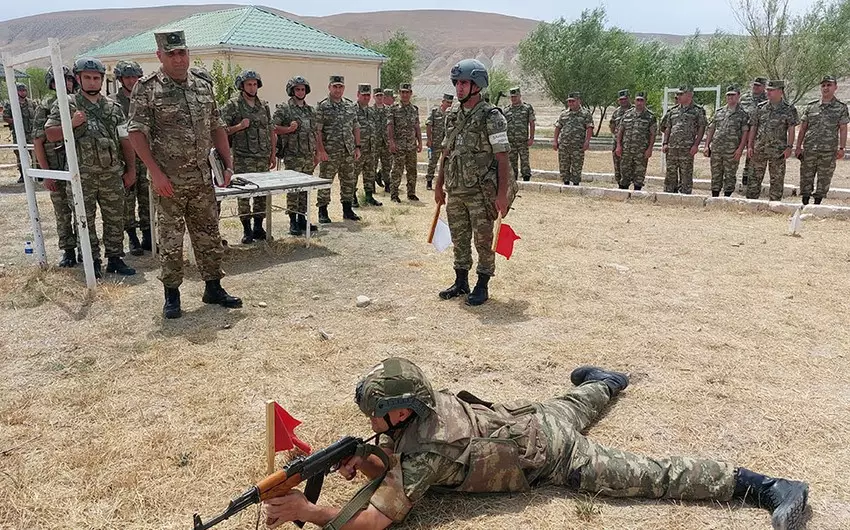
x=471, y=70
x=127, y=69
x=89, y=64
x=246, y=75
x=295, y=81
x=394, y=383
x=50, y=78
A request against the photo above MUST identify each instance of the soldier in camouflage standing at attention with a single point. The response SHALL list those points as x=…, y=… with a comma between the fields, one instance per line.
x=725, y=143
x=572, y=138
x=770, y=140
x=822, y=139
x=750, y=102
x=28, y=110
x=386, y=156
x=521, y=122
x=293, y=122
x=380, y=133
x=435, y=131
x=174, y=122
x=338, y=145
x=405, y=139
x=635, y=139
x=683, y=127
x=368, y=143
x=623, y=106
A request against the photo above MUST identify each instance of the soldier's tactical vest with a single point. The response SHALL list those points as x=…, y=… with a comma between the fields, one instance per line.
x=98, y=145
x=303, y=141
x=498, y=445
x=55, y=151
x=255, y=140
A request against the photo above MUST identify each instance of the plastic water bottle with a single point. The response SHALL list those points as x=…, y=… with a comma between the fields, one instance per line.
x=28, y=251
x=429, y=153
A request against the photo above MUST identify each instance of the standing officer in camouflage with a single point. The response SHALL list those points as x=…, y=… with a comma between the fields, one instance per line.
x=386, y=156
x=623, y=106
x=368, y=143
x=683, y=127
x=105, y=157
x=338, y=144
x=128, y=73
x=466, y=444
x=822, y=139
x=247, y=119
x=725, y=143
x=405, y=139
x=28, y=110
x=174, y=122
x=572, y=138
x=293, y=122
x=51, y=155
x=770, y=140
x=380, y=134
x=435, y=132
x=635, y=139
x=750, y=102
x=521, y=122
x=476, y=175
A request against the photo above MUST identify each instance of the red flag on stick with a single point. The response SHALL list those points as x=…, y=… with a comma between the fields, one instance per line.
x=505, y=241
x=280, y=433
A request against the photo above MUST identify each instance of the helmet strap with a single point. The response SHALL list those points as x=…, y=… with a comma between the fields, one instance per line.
x=471, y=93
x=92, y=92
x=395, y=428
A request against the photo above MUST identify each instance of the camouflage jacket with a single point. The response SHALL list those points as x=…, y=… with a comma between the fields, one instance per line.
x=98, y=139
x=750, y=102
x=381, y=124
x=122, y=99
x=28, y=110
x=684, y=123
x=772, y=123
x=255, y=141
x=366, y=118
x=617, y=117
x=471, y=155
x=574, y=126
x=55, y=151
x=519, y=117
x=437, y=121
x=823, y=120
x=337, y=121
x=302, y=142
x=730, y=125
x=639, y=129
x=179, y=120
x=405, y=120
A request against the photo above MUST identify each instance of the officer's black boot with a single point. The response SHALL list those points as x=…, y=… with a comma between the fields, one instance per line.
x=98, y=271
x=146, y=239
x=387, y=186
x=429, y=185
x=171, y=309
x=259, y=233
x=461, y=285
x=412, y=197
x=638, y=188
x=818, y=200
x=135, y=244
x=247, y=231
x=715, y=193
x=294, y=226
x=348, y=213
x=214, y=293
x=526, y=178
x=117, y=264
x=323, y=215
x=806, y=199
x=302, y=224
x=371, y=200
x=616, y=381
x=379, y=180
x=624, y=187
x=69, y=258
x=785, y=499
x=479, y=294
x=727, y=193
x=355, y=203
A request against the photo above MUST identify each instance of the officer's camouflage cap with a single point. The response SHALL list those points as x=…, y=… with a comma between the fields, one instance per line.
x=732, y=89
x=378, y=90
x=574, y=95
x=337, y=80
x=828, y=79
x=364, y=88
x=684, y=89
x=775, y=84
x=760, y=81
x=640, y=95
x=394, y=383
x=170, y=40
x=449, y=97
x=623, y=94
x=21, y=86
x=515, y=91
x=405, y=87
x=388, y=92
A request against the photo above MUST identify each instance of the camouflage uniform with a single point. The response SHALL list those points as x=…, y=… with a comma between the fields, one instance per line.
x=469, y=167
x=101, y=160
x=339, y=121
x=251, y=147
x=614, y=125
x=820, y=145
x=574, y=126
x=404, y=119
x=437, y=121
x=28, y=111
x=684, y=123
x=772, y=123
x=384, y=155
x=519, y=117
x=639, y=130
x=179, y=119
x=140, y=190
x=750, y=102
x=368, y=147
x=298, y=147
x=730, y=125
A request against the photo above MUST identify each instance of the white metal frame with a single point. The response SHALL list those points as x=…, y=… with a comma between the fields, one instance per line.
x=667, y=91
x=72, y=175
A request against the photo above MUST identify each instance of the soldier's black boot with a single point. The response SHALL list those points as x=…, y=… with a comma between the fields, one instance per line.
x=259, y=233
x=429, y=184
x=348, y=213
x=413, y=197
x=69, y=258
x=638, y=188
x=371, y=200
x=387, y=185
x=302, y=224
x=171, y=309
x=616, y=381
x=727, y=193
x=818, y=200
x=715, y=193
x=146, y=239
x=379, y=180
x=461, y=285
x=785, y=499
x=116, y=264
x=294, y=226
x=323, y=215
x=214, y=293
x=355, y=203
x=479, y=294
x=806, y=199
x=135, y=244
x=98, y=271
x=247, y=231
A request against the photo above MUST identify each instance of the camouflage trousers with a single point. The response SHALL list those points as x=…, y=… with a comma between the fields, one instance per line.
x=192, y=207
x=63, y=209
x=297, y=202
x=366, y=166
x=776, y=166
x=341, y=164
x=468, y=216
x=570, y=162
x=107, y=191
x=577, y=462
x=618, y=160
x=724, y=172
x=632, y=168
x=243, y=164
x=138, y=193
x=680, y=171
x=404, y=161
x=384, y=157
x=748, y=170
x=433, y=160
x=518, y=156
x=820, y=164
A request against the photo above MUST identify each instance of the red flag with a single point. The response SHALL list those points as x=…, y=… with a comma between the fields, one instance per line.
x=505, y=243
x=284, y=431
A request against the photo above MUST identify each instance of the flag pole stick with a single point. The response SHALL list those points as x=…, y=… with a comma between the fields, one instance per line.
x=270, y=437
x=496, y=231
x=434, y=223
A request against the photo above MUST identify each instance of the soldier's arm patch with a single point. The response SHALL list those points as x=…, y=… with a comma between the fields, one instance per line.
x=390, y=498
x=498, y=138
x=140, y=110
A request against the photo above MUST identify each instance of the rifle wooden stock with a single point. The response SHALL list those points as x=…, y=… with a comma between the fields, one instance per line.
x=277, y=484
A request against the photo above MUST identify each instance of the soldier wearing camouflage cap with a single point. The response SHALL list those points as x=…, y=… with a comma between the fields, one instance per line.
x=624, y=104
x=635, y=139
x=725, y=142
x=462, y=443
x=28, y=110
x=750, y=102
x=435, y=131
x=385, y=156
x=405, y=139
x=521, y=124
x=683, y=127
x=573, y=130
x=771, y=140
x=369, y=144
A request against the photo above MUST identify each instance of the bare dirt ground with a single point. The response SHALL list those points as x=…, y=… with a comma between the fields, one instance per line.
x=734, y=333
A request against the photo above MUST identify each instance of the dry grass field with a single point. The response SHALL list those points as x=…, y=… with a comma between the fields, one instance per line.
x=735, y=335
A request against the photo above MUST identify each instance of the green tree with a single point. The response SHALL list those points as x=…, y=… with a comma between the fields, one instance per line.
x=224, y=78
x=500, y=81
x=647, y=62
x=401, y=53
x=38, y=88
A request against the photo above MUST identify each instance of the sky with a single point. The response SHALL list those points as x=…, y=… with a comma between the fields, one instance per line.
x=645, y=16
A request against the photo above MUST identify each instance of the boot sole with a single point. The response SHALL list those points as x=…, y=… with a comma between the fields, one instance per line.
x=223, y=304
x=123, y=272
x=474, y=304
x=790, y=516
x=172, y=316
x=449, y=296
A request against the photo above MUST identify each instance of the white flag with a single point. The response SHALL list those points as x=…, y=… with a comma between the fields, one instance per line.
x=442, y=236
x=795, y=224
